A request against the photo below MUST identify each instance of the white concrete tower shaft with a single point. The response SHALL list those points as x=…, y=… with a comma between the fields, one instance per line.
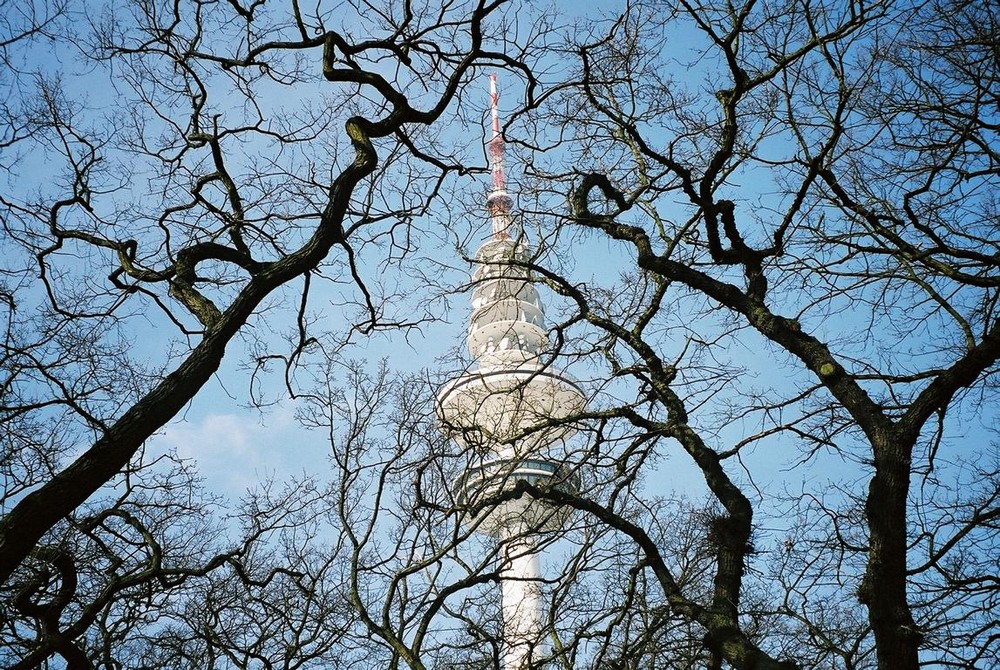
x=521, y=602
x=500, y=413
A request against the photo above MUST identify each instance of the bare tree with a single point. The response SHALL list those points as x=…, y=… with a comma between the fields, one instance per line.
x=175, y=175
x=815, y=183
x=795, y=206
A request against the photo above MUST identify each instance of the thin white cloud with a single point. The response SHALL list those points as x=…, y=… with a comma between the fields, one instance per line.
x=235, y=451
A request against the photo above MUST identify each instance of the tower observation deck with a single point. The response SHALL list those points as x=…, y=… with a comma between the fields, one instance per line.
x=504, y=413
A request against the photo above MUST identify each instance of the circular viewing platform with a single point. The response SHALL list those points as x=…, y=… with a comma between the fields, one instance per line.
x=480, y=485
x=515, y=408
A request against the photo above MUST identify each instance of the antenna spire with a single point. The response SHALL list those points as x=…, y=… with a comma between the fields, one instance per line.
x=498, y=203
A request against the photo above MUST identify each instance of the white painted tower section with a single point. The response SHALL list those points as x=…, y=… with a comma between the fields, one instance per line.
x=498, y=413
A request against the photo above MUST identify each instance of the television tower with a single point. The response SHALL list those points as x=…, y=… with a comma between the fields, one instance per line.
x=504, y=415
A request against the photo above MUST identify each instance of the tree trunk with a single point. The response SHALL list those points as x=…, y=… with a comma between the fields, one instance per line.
x=883, y=589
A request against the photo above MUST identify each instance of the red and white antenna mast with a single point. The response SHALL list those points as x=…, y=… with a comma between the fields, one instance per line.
x=498, y=203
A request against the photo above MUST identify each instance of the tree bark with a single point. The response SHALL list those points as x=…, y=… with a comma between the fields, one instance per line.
x=883, y=588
